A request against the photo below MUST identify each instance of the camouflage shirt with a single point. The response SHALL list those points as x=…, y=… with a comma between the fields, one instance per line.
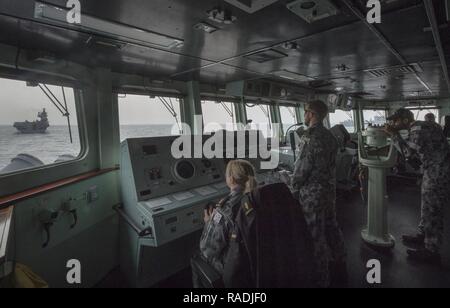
x=217, y=232
x=428, y=141
x=315, y=168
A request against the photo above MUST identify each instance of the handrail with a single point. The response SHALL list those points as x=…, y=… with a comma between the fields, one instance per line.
x=141, y=232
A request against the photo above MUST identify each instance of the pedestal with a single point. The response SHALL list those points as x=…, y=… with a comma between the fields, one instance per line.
x=377, y=233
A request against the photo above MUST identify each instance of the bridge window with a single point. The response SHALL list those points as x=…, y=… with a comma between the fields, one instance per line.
x=419, y=115
x=258, y=117
x=343, y=117
x=288, y=117
x=38, y=125
x=144, y=116
x=217, y=116
x=374, y=117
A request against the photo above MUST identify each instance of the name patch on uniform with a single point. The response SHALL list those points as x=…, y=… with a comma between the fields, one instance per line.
x=248, y=208
x=416, y=128
x=217, y=218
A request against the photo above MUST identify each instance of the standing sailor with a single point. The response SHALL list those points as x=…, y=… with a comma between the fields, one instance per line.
x=427, y=140
x=315, y=180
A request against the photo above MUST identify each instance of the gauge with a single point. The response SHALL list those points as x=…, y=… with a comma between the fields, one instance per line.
x=185, y=170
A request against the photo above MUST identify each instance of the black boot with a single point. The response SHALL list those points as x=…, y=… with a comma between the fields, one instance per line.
x=424, y=255
x=414, y=240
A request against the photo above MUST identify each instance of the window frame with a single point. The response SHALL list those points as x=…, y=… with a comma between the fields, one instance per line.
x=419, y=109
x=81, y=129
x=355, y=126
x=148, y=95
x=87, y=160
x=281, y=118
x=269, y=117
x=217, y=102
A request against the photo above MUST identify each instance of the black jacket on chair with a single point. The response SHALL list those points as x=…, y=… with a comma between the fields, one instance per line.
x=270, y=246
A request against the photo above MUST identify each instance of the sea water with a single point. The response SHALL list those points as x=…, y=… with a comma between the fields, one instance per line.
x=55, y=142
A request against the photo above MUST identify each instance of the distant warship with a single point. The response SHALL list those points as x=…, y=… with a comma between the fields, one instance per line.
x=36, y=127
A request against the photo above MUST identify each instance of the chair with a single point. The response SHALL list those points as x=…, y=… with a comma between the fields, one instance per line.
x=447, y=126
x=274, y=249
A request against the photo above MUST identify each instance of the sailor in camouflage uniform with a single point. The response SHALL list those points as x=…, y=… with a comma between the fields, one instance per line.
x=219, y=220
x=426, y=139
x=314, y=179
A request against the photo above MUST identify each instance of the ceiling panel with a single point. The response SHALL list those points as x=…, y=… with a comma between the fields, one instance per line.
x=336, y=52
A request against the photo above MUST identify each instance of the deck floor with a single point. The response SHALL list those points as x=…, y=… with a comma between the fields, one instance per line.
x=397, y=271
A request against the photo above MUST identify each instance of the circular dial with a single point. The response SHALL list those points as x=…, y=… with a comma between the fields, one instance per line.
x=207, y=163
x=185, y=170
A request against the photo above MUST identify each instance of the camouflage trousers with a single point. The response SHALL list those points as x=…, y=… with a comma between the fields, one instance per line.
x=435, y=195
x=320, y=215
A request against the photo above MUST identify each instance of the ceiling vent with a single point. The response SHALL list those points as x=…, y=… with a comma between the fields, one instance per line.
x=313, y=10
x=320, y=83
x=266, y=56
x=394, y=71
x=360, y=94
x=251, y=6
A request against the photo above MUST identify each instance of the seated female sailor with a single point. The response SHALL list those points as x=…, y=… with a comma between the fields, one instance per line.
x=214, y=242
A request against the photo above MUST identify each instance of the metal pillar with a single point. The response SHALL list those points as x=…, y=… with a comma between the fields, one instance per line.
x=241, y=114
x=191, y=108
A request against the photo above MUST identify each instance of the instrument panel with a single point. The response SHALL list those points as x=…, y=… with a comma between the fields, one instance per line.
x=156, y=172
x=164, y=195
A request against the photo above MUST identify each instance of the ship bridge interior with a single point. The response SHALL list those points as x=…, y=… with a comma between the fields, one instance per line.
x=91, y=61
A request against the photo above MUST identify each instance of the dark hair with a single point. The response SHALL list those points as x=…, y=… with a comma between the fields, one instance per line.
x=430, y=116
x=319, y=108
x=402, y=113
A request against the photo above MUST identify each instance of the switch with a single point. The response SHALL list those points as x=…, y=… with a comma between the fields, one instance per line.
x=92, y=194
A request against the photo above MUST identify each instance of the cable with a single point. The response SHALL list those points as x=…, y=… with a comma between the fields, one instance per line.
x=16, y=63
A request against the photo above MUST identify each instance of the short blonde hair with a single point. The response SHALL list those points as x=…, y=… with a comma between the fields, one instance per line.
x=242, y=173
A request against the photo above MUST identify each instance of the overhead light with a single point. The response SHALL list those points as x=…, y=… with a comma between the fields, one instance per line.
x=105, y=43
x=102, y=27
x=41, y=56
x=205, y=27
x=265, y=56
x=292, y=76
